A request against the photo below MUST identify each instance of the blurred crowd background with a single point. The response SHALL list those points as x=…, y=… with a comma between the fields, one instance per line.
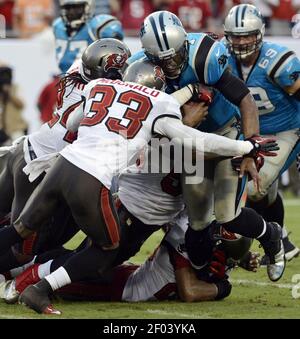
x=32, y=20
x=24, y=18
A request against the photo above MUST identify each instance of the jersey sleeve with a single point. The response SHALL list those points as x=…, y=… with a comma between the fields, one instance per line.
x=136, y=56
x=211, y=61
x=287, y=72
x=107, y=26
x=167, y=107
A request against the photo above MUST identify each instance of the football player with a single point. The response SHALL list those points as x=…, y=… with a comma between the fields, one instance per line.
x=271, y=72
x=196, y=57
x=77, y=28
x=53, y=136
x=101, y=151
x=166, y=274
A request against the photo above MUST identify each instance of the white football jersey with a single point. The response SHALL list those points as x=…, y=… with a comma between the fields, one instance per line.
x=155, y=279
x=53, y=136
x=118, y=122
x=153, y=198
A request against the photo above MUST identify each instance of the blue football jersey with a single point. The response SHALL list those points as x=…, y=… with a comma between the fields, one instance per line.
x=69, y=48
x=207, y=61
x=276, y=67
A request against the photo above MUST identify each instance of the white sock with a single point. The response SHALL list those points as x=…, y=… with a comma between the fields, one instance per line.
x=58, y=278
x=284, y=232
x=263, y=232
x=44, y=269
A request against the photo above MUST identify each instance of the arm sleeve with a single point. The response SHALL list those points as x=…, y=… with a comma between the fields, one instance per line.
x=202, y=142
x=75, y=118
x=233, y=88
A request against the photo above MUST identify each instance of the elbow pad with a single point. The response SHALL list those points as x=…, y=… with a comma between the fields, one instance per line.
x=233, y=88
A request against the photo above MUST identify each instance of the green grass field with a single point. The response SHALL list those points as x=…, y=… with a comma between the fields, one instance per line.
x=253, y=295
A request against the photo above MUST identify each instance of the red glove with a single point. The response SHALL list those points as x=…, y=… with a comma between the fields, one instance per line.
x=202, y=93
x=217, y=265
x=263, y=147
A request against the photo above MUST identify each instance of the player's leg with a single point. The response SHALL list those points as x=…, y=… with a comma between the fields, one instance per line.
x=93, y=210
x=23, y=188
x=38, y=209
x=199, y=204
x=244, y=221
x=268, y=201
x=133, y=233
x=52, y=235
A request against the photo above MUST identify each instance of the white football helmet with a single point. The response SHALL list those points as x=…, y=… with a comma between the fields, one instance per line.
x=75, y=13
x=165, y=42
x=244, y=20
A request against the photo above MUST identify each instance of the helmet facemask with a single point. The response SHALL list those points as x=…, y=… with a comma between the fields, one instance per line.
x=75, y=15
x=244, y=50
x=170, y=61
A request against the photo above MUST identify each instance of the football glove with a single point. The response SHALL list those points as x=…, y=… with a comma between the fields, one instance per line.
x=262, y=147
x=202, y=93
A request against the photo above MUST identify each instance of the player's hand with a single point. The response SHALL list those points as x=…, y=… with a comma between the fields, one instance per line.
x=202, y=93
x=194, y=113
x=236, y=163
x=263, y=147
x=250, y=262
x=248, y=166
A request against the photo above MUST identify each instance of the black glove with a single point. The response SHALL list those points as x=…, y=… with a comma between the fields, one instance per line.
x=262, y=147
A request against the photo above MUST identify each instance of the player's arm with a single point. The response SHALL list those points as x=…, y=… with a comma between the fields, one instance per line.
x=211, y=65
x=190, y=289
x=294, y=90
x=238, y=93
x=75, y=118
x=286, y=73
x=202, y=142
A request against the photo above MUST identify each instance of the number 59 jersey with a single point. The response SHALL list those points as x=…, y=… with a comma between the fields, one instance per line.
x=118, y=123
x=276, y=68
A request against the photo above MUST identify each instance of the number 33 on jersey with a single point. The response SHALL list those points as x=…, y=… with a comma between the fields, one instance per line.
x=118, y=122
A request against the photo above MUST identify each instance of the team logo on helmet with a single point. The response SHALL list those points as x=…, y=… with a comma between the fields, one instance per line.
x=158, y=74
x=115, y=61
